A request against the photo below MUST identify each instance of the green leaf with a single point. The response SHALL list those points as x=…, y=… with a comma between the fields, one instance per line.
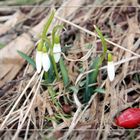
x=100, y=90
x=53, y=94
x=55, y=29
x=93, y=75
x=54, y=64
x=27, y=58
x=49, y=76
x=104, y=45
x=44, y=39
x=74, y=89
x=91, y=78
x=64, y=72
x=47, y=25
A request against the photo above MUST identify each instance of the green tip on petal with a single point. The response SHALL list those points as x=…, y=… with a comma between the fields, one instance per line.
x=57, y=39
x=44, y=49
x=109, y=57
x=39, y=46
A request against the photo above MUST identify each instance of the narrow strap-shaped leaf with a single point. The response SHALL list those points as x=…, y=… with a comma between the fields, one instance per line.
x=100, y=90
x=27, y=58
x=53, y=94
x=93, y=75
x=49, y=76
x=102, y=39
x=54, y=65
x=75, y=89
x=47, y=25
x=64, y=72
x=91, y=79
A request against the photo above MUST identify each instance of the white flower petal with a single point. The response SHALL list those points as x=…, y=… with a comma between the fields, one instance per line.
x=57, y=52
x=111, y=71
x=46, y=61
x=38, y=61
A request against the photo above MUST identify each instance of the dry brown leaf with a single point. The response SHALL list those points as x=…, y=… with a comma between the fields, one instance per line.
x=11, y=64
x=13, y=20
x=133, y=29
x=10, y=61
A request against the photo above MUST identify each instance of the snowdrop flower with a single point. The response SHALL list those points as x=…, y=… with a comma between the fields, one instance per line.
x=57, y=52
x=45, y=59
x=57, y=49
x=38, y=58
x=110, y=68
x=38, y=61
x=42, y=58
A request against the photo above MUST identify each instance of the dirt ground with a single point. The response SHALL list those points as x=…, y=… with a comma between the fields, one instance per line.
x=32, y=107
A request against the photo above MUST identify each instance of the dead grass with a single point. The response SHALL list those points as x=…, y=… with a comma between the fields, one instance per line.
x=28, y=109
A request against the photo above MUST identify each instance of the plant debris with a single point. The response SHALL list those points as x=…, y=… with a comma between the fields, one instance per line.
x=33, y=107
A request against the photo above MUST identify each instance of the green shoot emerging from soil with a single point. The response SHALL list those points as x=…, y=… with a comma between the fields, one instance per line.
x=91, y=78
x=48, y=54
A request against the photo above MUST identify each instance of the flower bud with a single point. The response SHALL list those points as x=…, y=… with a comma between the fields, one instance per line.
x=110, y=68
x=57, y=52
x=38, y=61
x=46, y=61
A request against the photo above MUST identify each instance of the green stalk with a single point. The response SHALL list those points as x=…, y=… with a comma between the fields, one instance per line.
x=55, y=29
x=51, y=50
x=54, y=64
x=45, y=30
x=47, y=25
x=104, y=45
x=97, y=62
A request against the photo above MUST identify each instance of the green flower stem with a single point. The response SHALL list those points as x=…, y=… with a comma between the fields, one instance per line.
x=47, y=25
x=55, y=29
x=45, y=29
x=54, y=64
x=109, y=57
x=104, y=45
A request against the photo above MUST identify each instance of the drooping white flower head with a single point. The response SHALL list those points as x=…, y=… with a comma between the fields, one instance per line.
x=38, y=58
x=110, y=68
x=111, y=71
x=42, y=58
x=57, y=52
x=57, y=49
x=42, y=54
x=38, y=61
x=46, y=61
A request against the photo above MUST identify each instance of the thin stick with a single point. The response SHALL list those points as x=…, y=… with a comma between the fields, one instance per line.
x=78, y=116
x=16, y=103
x=33, y=88
x=28, y=110
x=93, y=34
x=84, y=58
x=104, y=67
x=27, y=128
